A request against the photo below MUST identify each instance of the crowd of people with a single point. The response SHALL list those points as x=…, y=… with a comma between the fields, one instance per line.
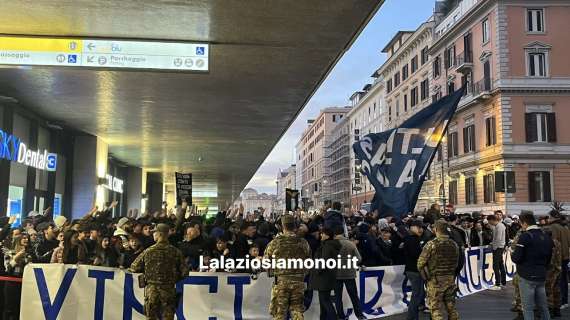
x=100, y=240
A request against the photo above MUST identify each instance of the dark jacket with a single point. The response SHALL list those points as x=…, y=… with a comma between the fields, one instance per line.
x=334, y=221
x=192, y=250
x=44, y=249
x=325, y=279
x=412, y=251
x=532, y=254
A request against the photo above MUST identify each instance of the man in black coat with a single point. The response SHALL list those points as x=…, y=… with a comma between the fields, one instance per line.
x=532, y=256
x=412, y=250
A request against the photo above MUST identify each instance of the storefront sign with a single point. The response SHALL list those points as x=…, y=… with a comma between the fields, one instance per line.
x=13, y=149
x=114, y=184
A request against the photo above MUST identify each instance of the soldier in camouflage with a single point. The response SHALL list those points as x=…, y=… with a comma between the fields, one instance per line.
x=517, y=306
x=288, y=288
x=437, y=264
x=553, y=277
x=163, y=265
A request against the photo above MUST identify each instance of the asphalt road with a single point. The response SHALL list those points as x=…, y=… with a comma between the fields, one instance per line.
x=486, y=305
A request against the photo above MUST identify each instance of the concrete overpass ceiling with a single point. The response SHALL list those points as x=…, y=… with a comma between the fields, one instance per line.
x=266, y=59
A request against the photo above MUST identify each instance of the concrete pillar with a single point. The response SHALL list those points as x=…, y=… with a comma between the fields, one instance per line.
x=90, y=156
x=134, y=188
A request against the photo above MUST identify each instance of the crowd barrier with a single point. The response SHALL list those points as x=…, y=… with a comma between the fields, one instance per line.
x=56, y=291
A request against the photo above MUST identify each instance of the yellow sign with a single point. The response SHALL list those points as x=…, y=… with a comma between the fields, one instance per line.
x=32, y=44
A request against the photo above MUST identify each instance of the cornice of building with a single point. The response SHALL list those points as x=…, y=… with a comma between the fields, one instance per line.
x=373, y=91
x=425, y=29
x=458, y=27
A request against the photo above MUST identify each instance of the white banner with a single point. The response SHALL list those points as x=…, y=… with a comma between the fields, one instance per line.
x=55, y=291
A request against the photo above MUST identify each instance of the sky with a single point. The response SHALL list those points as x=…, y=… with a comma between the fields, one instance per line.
x=349, y=75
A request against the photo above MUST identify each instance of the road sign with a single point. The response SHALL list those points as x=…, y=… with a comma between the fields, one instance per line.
x=104, y=53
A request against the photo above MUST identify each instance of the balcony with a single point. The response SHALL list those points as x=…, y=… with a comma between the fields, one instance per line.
x=482, y=88
x=464, y=62
x=476, y=93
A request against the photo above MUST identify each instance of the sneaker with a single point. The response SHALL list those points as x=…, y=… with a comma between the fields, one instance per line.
x=495, y=288
x=564, y=306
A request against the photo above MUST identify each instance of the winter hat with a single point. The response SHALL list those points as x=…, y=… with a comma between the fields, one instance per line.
x=59, y=221
x=508, y=221
x=122, y=222
x=363, y=228
x=382, y=224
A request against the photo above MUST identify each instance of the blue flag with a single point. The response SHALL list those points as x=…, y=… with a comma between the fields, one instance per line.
x=396, y=161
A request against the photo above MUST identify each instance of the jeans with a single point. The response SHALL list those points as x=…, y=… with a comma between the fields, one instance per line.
x=350, y=285
x=533, y=292
x=326, y=305
x=564, y=283
x=418, y=294
x=499, y=267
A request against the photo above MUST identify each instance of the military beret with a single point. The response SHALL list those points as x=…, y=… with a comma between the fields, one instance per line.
x=162, y=227
x=287, y=219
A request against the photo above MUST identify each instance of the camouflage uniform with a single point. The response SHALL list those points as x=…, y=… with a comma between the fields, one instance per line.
x=163, y=265
x=440, y=257
x=517, y=305
x=287, y=293
x=552, y=277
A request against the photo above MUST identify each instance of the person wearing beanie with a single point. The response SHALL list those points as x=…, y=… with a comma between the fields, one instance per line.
x=121, y=233
x=59, y=222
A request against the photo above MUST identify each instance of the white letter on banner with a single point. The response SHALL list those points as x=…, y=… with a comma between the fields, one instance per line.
x=366, y=146
x=407, y=175
x=407, y=135
x=22, y=153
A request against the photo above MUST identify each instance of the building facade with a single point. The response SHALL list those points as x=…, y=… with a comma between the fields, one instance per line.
x=252, y=201
x=338, y=153
x=311, y=157
x=507, y=147
x=368, y=106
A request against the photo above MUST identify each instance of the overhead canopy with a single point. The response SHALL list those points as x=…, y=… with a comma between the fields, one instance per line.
x=266, y=60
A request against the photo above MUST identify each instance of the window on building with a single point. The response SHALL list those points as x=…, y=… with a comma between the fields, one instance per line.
x=424, y=89
x=316, y=187
x=389, y=86
x=490, y=131
x=539, y=186
x=537, y=66
x=312, y=172
x=535, y=20
x=540, y=127
x=436, y=96
x=452, y=145
x=449, y=57
x=470, y=190
x=389, y=113
x=424, y=55
x=440, y=152
x=485, y=29
x=489, y=188
x=405, y=103
x=469, y=139
x=414, y=96
x=397, y=107
x=396, y=79
x=451, y=87
x=453, y=192
x=436, y=67
x=405, y=72
x=334, y=117
x=414, y=64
